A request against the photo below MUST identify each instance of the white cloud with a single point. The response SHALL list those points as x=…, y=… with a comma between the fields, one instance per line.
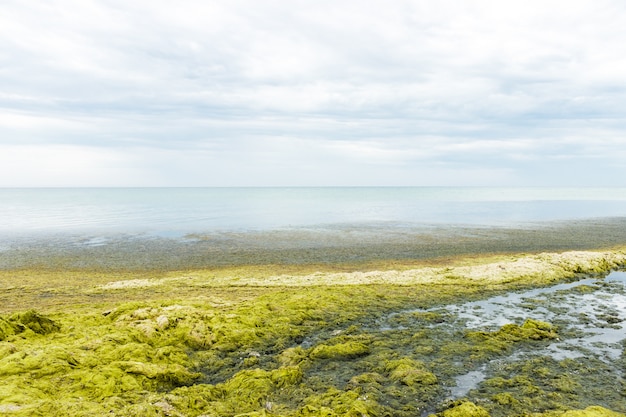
x=384, y=90
x=62, y=165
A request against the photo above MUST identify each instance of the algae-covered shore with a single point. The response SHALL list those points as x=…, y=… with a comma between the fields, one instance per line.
x=82, y=334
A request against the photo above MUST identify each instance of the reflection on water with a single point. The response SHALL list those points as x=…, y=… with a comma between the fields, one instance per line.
x=177, y=211
x=467, y=382
x=590, y=315
x=596, y=320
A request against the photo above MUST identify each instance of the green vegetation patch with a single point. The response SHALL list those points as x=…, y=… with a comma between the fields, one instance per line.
x=503, y=339
x=410, y=372
x=593, y=411
x=464, y=409
x=340, y=350
x=28, y=321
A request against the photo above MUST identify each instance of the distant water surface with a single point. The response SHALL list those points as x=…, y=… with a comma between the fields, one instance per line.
x=173, y=212
x=181, y=228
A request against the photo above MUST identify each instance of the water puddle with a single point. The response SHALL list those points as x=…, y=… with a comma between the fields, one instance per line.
x=590, y=316
x=467, y=382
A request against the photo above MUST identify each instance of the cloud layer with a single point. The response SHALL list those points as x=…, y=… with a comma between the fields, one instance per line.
x=106, y=92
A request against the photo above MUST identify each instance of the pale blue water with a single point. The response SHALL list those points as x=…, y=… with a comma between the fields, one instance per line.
x=179, y=211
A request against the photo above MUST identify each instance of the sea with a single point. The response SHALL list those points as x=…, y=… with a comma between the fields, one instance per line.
x=180, y=228
x=179, y=212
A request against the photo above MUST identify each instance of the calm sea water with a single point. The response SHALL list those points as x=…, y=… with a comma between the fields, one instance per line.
x=179, y=211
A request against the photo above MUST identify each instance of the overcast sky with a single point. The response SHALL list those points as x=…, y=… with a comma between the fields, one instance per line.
x=289, y=92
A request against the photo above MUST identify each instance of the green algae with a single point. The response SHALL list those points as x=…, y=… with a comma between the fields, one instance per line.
x=250, y=390
x=197, y=357
x=410, y=372
x=469, y=409
x=543, y=383
x=136, y=349
x=335, y=403
x=28, y=321
x=312, y=351
x=503, y=339
x=593, y=411
x=464, y=409
x=6, y=329
x=340, y=351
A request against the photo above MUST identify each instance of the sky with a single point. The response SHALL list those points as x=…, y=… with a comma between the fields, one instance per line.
x=312, y=93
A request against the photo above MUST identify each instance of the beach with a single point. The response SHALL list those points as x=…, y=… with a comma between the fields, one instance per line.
x=314, y=322
x=312, y=209
x=336, y=246
x=368, y=318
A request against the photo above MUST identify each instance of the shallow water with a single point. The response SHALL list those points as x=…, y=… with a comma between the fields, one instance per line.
x=594, y=324
x=180, y=228
x=175, y=212
x=590, y=315
x=467, y=382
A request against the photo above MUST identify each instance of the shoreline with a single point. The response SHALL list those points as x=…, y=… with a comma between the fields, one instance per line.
x=310, y=322
x=53, y=290
x=341, y=246
x=375, y=337
x=240, y=341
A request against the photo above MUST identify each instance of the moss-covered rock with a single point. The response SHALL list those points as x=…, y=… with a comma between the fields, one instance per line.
x=27, y=321
x=497, y=342
x=248, y=391
x=336, y=403
x=511, y=333
x=464, y=409
x=36, y=322
x=537, y=330
x=367, y=379
x=292, y=356
x=410, y=372
x=340, y=351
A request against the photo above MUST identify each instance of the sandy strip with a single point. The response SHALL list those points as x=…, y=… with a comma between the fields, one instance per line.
x=544, y=267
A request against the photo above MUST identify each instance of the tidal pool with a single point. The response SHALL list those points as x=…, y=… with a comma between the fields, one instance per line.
x=589, y=316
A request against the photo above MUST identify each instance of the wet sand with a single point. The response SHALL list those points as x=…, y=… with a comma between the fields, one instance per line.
x=347, y=246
